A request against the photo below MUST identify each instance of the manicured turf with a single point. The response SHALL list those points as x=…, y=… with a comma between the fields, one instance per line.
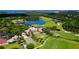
x=12, y=45
x=56, y=42
x=60, y=43
x=40, y=35
x=71, y=36
x=59, y=26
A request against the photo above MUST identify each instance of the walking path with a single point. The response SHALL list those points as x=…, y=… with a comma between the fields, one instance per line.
x=41, y=44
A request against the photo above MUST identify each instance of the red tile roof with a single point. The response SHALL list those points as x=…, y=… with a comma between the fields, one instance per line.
x=2, y=41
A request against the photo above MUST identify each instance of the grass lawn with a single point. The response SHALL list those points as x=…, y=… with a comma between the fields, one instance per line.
x=60, y=43
x=71, y=36
x=54, y=42
x=14, y=21
x=59, y=26
x=37, y=44
x=39, y=35
x=13, y=45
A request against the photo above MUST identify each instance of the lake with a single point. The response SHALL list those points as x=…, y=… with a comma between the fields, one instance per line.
x=32, y=22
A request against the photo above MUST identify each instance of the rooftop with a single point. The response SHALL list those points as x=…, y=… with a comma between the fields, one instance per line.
x=2, y=40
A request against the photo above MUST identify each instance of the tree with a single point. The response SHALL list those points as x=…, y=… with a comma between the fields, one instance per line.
x=1, y=47
x=72, y=25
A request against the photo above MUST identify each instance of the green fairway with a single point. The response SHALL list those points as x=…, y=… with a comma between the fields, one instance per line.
x=54, y=42
x=71, y=36
x=60, y=43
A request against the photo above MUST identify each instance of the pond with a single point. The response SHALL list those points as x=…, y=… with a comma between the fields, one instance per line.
x=32, y=22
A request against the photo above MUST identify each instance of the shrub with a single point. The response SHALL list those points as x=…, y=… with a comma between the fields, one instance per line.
x=1, y=47
x=30, y=46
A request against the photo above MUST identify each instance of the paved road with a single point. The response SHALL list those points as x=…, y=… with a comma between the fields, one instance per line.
x=27, y=38
x=22, y=43
x=42, y=44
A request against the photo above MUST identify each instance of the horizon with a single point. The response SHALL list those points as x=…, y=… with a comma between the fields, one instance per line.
x=18, y=11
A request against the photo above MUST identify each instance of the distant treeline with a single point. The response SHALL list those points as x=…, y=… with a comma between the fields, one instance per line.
x=13, y=15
